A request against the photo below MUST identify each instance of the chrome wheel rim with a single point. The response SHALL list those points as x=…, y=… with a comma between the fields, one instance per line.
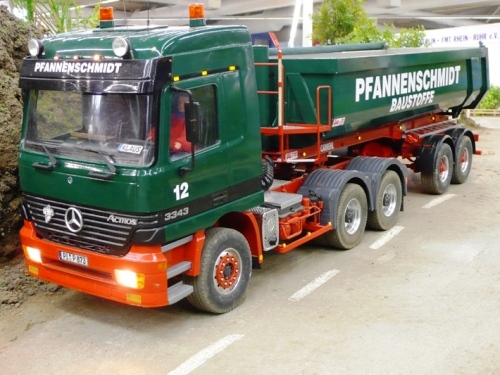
x=389, y=198
x=464, y=160
x=352, y=216
x=444, y=168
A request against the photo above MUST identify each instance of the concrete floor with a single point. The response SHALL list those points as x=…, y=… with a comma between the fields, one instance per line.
x=422, y=299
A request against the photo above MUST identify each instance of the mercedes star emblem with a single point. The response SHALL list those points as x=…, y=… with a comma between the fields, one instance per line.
x=73, y=219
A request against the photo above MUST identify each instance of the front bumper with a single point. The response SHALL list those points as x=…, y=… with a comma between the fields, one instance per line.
x=98, y=278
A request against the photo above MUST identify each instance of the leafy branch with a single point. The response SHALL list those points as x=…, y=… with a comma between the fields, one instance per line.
x=346, y=21
x=57, y=16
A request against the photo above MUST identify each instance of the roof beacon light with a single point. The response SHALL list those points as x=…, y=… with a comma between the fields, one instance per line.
x=106, y=17
x=196, y=15
x=35, y=47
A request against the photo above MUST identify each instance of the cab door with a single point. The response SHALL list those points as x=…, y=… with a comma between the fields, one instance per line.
x=197, y=191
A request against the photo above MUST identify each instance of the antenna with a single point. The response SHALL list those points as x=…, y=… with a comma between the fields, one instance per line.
x=148, y=15
x=125, y=13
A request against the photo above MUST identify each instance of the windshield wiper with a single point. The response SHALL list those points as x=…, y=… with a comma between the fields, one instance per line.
x=107, y=159
x=52, y=160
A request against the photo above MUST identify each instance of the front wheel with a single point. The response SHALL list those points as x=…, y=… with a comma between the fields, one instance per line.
x=226, y=268
x=439, y=180
x=389, y=199
x=463, y=163
x=350, y=220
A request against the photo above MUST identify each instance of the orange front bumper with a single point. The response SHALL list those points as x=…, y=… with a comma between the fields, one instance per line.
x=98, y=278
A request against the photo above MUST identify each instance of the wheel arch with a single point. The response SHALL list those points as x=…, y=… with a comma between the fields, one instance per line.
x=245, y=223
x=328, y=184
x=457, y=135
x=428, y=151
x=375, y=167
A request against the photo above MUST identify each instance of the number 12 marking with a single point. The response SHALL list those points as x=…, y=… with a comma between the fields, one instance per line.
x=181, y=191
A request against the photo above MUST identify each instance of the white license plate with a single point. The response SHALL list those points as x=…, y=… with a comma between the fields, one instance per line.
x=131, y=149
x=73, y=258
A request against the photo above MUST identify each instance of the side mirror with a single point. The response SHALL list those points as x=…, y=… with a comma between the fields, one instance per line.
x=193, y=122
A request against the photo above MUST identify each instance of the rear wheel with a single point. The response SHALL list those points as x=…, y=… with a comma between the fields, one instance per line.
x=350, y=219
x=389, y=199
x=439, y=180
x=226, y=267
x=463, y=163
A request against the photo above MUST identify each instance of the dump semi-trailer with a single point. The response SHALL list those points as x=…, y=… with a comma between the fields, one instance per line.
x=160, y=163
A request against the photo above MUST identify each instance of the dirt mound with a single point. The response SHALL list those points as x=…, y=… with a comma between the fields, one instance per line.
x=16, y=285
x=14, y=36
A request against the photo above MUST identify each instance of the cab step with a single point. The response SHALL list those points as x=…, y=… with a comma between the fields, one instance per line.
x=178, y=291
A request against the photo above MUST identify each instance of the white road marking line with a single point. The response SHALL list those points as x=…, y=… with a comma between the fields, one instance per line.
x=393, y=232
x=202, y=356
x=313, y=285
x=439, y=200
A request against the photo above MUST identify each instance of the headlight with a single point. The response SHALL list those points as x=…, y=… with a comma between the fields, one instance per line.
x=35, y=47
x=121, y=46
x=130, y=279
x=33, y=254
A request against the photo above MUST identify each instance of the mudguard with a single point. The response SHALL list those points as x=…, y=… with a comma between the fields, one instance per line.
x=426, y=159
x=457, y=135
x=374, y=168
x=328, y=184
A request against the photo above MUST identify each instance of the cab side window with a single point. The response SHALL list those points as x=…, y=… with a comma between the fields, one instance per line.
x=207, y=98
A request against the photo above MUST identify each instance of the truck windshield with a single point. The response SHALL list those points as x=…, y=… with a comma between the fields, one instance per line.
x=85, y=126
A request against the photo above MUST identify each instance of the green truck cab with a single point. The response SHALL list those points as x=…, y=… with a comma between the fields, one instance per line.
x=96, y=136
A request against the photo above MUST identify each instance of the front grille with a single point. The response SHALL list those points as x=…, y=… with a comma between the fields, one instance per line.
x=99, y=233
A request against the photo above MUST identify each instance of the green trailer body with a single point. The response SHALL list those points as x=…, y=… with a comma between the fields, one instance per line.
x=371, y=87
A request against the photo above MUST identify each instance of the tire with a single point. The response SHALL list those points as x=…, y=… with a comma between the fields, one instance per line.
x=350, y=220
x=390, y=194
x=226, y=268
x=463, y=162
x=439, y=181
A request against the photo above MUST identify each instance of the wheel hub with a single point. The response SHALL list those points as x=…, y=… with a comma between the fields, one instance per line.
x=227, y=271
x=464, y=160
x=352, y=216
x=389, y=200
x=444, y=169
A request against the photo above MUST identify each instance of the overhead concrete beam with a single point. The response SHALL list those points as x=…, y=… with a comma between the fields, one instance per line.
x=416, y=11
x=274, y=14
x=389, y=3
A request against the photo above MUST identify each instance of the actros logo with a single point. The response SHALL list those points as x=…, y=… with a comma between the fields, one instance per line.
x=74, y=220
x=122, y=220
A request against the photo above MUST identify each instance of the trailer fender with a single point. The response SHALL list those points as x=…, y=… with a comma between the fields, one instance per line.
x=375, y=167
x=426, y=159
x=328, y=185
x=457, y=135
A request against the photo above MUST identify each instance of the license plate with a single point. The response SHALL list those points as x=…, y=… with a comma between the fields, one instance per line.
x=73, y=258
x=131, y=149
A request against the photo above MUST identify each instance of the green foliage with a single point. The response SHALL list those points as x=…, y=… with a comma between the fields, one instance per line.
x=57, y=15
x=346, y=21
x=492, y=99
x=406, y=37
x=92, y=21
x=335, y=19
